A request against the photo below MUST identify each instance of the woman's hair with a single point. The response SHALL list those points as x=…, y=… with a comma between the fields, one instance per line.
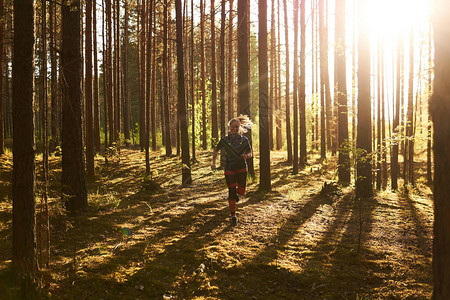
x=244, y=121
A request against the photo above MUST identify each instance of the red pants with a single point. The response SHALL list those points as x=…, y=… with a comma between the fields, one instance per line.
x=236, y=181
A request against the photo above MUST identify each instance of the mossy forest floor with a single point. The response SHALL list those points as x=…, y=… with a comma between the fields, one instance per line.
x=300, y=241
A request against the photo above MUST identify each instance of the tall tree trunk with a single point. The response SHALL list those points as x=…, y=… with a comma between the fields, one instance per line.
x=430, y=68
x=148, y=85
x=165, y=82
x=364, y=135
x=105, y=78
x=341, y=91
x=384, y=175
x=186, y=164
x=153, y=98
x=324, y=77
x=203, y=74
x=223, y=131
x=54, y=79
x=439, y=107
x=230, y=64
x=378, y=104
x=295, y=91
x=43, y=224
x=73, y=172
x=214, y=128
x=116, y=71
x=243, y=71
x=95, y=83
x=323, y=58
x=288, y=83
x=409, y=178
x=278, y=122
x=272, y=73
x=109, y=73
x=23, y=179
x=126, y=100
x=317, y=81
x=395, y=147
x=313, y=75
x=141, y=70
x=89, y=123
x=302, y=91
x=264, y=147
x=2, y=121
x=192, y=82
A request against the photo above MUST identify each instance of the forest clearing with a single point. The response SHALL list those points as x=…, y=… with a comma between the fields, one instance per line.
x=299, y=241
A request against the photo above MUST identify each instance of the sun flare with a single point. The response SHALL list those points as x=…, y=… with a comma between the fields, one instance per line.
x=389, y=17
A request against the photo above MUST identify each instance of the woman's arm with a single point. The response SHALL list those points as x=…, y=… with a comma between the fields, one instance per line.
x=215, y=152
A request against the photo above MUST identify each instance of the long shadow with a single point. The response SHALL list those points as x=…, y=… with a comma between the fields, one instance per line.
x=417, y=233
x=165, y=263
x=352, y=270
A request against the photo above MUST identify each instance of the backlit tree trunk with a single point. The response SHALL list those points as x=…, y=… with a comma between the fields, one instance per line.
x=302, y=91
x=395, y=147
x=364, y=137
x=230, y=113
x=440, y=111
x=264, y=146
x=243, y=71
x=165, y=82
x=341, y=91
x=295, y=91
x=288, y=103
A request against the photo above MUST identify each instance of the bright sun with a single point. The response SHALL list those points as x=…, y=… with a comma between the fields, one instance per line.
x=388, y=17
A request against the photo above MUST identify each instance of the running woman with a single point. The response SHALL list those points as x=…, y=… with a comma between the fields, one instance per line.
x=237, y=151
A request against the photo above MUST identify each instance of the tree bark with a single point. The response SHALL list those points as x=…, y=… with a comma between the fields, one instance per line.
x=203, y=74
x=302, y=91
x=341, y=91
x=288, y=83
x=264, y=146
x=230, y=64
x=323, y=57
x=73, y=172
x=23, y=179
x=2, y=121
x=97, y=142
x=89, y=123
x=395, y=147
x=166, y=83
x=364, y=137
x=409, y=158
x=214, y=128
x=186, y=164
x=223, y=131
x=126, y=99
x=440, y=110
x=295, y=91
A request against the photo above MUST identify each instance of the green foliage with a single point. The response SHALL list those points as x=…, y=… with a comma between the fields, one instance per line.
x=106, y=202
x=135, y=133
x=58, y=151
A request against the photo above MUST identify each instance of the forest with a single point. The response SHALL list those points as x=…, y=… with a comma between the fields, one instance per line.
x=112, y=111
